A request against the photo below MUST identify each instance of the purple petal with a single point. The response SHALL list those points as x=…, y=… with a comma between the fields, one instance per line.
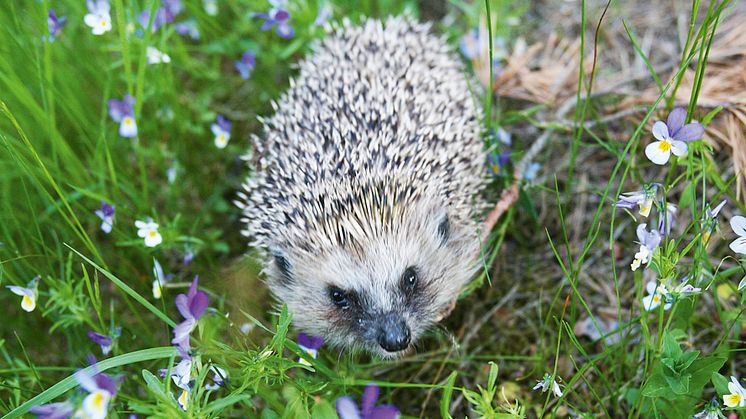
x=346, y=408
x=182, y=304
x=198, y=305
x=281, y=15
x=304, y=340
x=61, y=410
x=316, y=342
x=105, y=382
x=116, y=110
x=193, y=288
x=370, y=396
x=267, y=25
x=386, y=411
x=129, y=105
x=690, y=132
x=285, y=31
x=675, y=120
x=99, y=339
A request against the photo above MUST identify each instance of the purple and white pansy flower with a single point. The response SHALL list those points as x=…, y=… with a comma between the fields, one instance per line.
x=277, y=17
x=28, y=294
x=54, y=25
x=643, y=198
x=309, y=345
x=106, y=214
x=123, y=111
x=347, y=409
x=649, y=241
x=246, y=64
x=672, y=137
x=222, y=131
x=192, y=306
x=98, y=17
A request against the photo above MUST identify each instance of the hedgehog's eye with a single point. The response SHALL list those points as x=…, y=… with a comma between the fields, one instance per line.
x=339, y=297
x=409, y=280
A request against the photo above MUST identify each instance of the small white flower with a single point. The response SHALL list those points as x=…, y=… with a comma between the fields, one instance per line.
x=96, y=403
x=546, y=383
x=738, y=224
x=737, y=396
x=181, y=375
x=656, y=294
x=246, y=328
x=28, y=294
x=160, y=279
x=649, y=241
x=157, y=57
x=211, y=7
x=149, y=231
x=221, y=136
x=98, y=17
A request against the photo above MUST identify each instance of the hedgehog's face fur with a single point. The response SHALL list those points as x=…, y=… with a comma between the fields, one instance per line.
x=378, y=291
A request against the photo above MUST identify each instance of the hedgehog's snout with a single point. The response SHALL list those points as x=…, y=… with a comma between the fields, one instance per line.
x=393, y=333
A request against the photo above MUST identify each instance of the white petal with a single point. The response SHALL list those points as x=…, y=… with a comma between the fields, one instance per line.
x=91, y=20
x=650, y=287
x=86, y=381
x=742, y=284
x=648, y=303
x=679, y=148
x=738, y=224
x=128, y=127
x=739, y=245
x=656, y=155
x=347, y=409
x=660, y=130
x=140, y=224
x=157, y=291
x=28, y=303
x=96, y=404
x=153, y=240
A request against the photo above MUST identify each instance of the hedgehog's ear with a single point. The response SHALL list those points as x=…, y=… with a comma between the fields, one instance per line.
x=444, y=227
x=282, y=264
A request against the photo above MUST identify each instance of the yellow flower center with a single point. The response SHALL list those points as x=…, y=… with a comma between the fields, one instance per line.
x=732, y=400
x=128, y=121
x=183, y=399
x=27, y=303
x=103, y=23
x=98, y=400
x=657, y=298
x=152, y=233
x=664, y=146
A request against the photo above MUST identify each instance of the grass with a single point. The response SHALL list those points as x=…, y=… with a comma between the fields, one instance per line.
x=556, y=295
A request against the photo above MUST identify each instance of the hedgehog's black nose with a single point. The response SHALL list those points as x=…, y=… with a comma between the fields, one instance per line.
x=393, y=333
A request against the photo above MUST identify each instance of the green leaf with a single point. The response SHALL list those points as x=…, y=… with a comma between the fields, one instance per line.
x=706, y=120
x=222, y=403
x=153, y=383
x=323, y=410
x=679, y=384
x=445, y=402
x=126, y=288
x=720, y=383
x=70, y=382
x=702, y=370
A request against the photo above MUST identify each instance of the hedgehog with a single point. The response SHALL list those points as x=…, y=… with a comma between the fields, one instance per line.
x=365, y=187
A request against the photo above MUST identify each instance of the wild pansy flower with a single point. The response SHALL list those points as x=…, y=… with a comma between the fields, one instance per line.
x=182, y=376
x=172, y=171
x=347, y=409
x=672, y=137
x=643, y=198
x=666, y=219
x=656, y=294
x=309, y=345
x=648, y=241
x=106, y=214
x=160, y=279
x=104, y=341
x=711, y=221
x=498, y=162
x=61, y=410
x=547, y=383
x=192, y=306
x=246, y=64
x=503, y=136
x=101, y=388
x=148, y=230
x=188, y=28
x=54, y=25
x=157, y=57
x=123, y=111
x=222, y=130
x=29, y=294
x=738, y=224
x=277, y=17
x=710, y=411
x=98, y=17
x=164, y=14
x=188, y=256
x=737, y=396
x=219, y=377
x=211, y=7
